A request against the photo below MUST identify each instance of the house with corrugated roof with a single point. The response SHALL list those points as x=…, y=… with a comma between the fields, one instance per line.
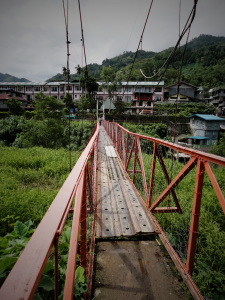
x=187, y=93
x=6, y=94
x=205, y=129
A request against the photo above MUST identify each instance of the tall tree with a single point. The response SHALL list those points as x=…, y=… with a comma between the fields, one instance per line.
x=47, y=107
x=112, y=81
x=15, y=107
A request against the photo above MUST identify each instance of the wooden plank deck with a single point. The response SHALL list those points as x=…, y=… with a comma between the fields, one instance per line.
x=119, y=209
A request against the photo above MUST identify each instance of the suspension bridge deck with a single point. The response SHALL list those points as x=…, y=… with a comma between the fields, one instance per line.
x=120, y=212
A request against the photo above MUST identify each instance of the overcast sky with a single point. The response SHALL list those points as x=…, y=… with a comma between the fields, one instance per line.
x=33, y=38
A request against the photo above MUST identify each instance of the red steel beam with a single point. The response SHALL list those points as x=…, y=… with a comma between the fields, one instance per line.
x=83, y=229
x=193, y=234
x=215, y=186
x=142, y=169
x=71, y=263
x=195, y=153
x=152, y=176
x=168, y=179
x=186, y=169
x=23, y=279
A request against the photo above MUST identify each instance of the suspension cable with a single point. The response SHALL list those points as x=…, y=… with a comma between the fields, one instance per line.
x=66, y=17
x=185, y=29
x=140, y=41
x=82, y=36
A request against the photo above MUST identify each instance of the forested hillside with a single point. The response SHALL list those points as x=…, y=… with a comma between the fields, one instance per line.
x=10, y=78
x=204, y=63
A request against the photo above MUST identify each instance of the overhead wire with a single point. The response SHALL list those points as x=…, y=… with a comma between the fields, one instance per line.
x=140, y=41
x=66, y=17
x=185, y=29
x=82, y=35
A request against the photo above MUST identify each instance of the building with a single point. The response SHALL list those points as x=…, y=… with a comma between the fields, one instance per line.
x=205, y=129
x=187, y=93
x=218, y=99
x=6, y=94
x=140, y=95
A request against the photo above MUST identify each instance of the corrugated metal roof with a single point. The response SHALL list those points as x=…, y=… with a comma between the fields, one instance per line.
x=138, y=83
x=124, y=83
x=207, y=117
x=106, y=103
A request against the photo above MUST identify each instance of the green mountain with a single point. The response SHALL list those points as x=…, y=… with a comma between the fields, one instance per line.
x=203, y=63
x=10, y=78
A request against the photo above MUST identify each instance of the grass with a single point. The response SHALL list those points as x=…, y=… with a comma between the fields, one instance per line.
x=30, y=180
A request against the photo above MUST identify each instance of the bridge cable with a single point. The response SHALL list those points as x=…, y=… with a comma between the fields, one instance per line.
x=140, y=41
x=82, y=36
x=185, y=29
x=67, y=70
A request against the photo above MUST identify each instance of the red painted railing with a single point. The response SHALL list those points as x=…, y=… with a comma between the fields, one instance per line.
x=131, y=147
x=80, y=185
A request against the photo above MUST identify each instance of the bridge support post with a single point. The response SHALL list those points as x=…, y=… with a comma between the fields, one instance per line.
x=83, y=222
x=193, y=234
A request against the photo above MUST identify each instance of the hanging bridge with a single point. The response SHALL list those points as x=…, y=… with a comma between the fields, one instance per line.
x=127, y=183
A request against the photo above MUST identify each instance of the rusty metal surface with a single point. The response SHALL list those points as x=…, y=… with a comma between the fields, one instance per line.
x=119, y=210
x=23, y=280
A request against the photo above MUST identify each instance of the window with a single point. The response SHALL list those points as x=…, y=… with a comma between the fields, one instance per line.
x=45, y=89
x=54, y=89
x=127, y=98
x=149, y=103
x=37, y=89
x=61, y=88
x=158, y=89
x=77, y=88
x=140, y=103
x=70, y=88
x=148, y=90
x=28, y=89
x=127, y=89
x=137, y=89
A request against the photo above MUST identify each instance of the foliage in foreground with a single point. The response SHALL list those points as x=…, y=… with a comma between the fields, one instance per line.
x=11, y=246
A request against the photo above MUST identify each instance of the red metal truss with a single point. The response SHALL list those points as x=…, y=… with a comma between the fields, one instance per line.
x=23, y=279
x=202, y=160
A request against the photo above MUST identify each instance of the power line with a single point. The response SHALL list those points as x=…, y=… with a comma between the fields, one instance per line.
x=140, y=41
x=67, y=70
x=82, y=35
x=185, y=29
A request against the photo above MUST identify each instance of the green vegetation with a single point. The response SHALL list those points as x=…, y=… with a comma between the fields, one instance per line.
x=184, y=110
x=49, y=133
x=13, y=243
x=209, y=271
x=30, y=180
x=10, y=78
x=154, y=130
x=204, y=63
x=219, y=148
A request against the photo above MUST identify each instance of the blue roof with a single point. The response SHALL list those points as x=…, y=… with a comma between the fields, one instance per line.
x=207, y=117
x=198, y=137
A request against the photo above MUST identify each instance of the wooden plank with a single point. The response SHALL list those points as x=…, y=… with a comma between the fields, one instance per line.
x=119, y=210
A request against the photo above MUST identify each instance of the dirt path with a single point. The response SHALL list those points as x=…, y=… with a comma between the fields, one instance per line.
x=134, y=270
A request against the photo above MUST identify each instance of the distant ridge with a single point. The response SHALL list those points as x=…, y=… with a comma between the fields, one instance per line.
x=10, y=78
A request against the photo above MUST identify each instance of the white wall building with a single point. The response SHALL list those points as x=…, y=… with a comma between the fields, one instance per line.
x=140, y=95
